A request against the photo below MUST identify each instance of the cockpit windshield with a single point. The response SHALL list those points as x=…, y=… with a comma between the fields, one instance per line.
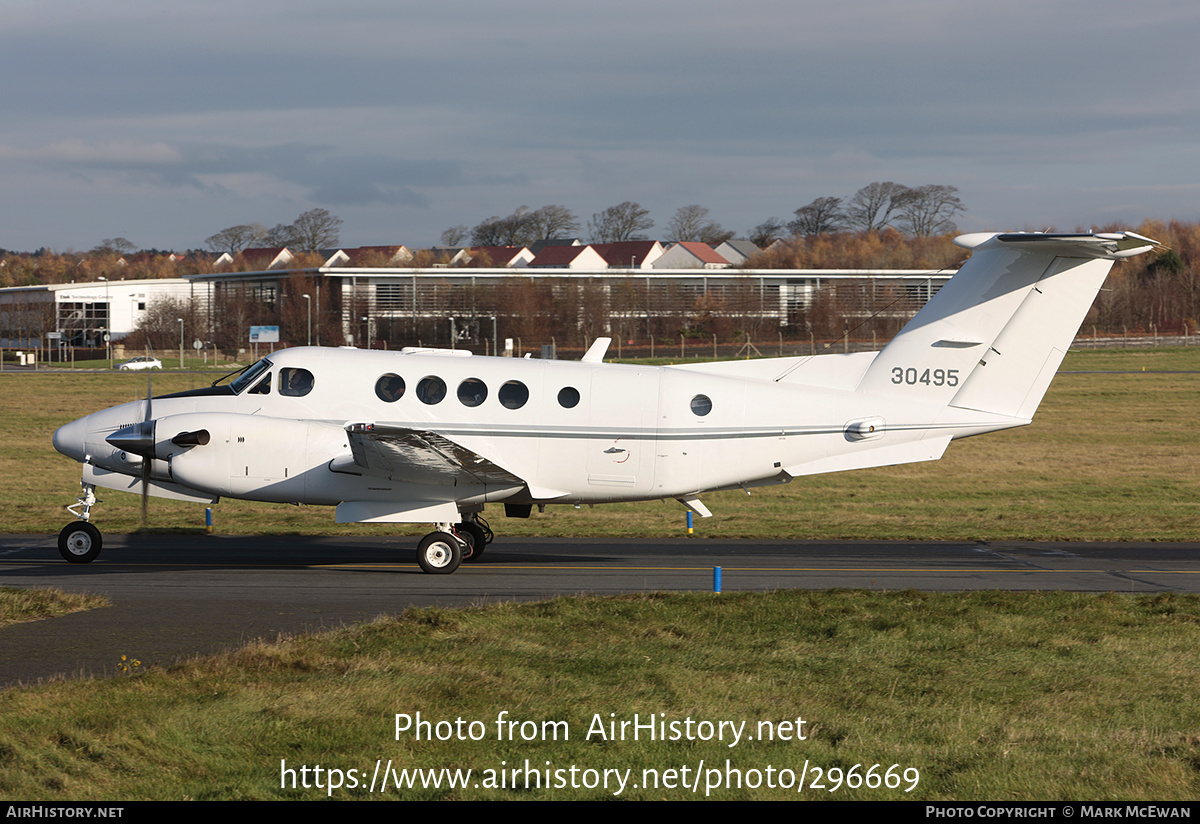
x=245, y=377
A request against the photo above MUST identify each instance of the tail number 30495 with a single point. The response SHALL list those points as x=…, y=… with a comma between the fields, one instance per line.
x=929, y=377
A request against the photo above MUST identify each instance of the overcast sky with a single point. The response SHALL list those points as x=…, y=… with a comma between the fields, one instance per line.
x=164, y=123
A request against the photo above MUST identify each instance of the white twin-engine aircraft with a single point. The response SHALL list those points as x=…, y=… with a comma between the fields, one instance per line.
x=433, y=436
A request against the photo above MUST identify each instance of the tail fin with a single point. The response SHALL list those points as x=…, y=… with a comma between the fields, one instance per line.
x=992, y=338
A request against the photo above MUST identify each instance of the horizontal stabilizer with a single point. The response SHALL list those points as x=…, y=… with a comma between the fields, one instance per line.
x=992, y=338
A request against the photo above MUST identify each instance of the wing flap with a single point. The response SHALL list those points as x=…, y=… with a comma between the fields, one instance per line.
x=418, y=456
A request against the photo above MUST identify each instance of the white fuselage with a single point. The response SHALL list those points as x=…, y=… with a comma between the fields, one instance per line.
x=635, y=432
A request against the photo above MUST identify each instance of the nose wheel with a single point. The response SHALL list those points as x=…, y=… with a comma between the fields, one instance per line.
x=80, y=542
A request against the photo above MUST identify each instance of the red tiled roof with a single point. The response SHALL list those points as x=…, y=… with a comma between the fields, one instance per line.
x=557, y=255
x=625, y=252
x=703, y=251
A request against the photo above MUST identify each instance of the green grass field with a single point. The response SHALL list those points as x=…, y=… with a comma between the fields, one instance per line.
x=17, y=605
x=979, y=696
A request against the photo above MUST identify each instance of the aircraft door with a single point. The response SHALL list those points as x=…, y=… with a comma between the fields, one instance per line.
x=622, y=419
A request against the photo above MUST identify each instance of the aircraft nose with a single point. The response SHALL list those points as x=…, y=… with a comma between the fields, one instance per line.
x=69, y=439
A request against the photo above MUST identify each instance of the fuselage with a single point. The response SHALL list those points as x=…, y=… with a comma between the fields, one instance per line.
x=574, y=432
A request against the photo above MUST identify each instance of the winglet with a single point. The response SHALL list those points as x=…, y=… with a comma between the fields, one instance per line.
x=595, y=352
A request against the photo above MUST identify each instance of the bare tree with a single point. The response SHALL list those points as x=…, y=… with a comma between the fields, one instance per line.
x=875, y=205
x=624, y=221
x=315, y=229
x=523, y=227
x=281, y=234
x=930, y=210
x=236, y=238
x=455, y=235
x=822, y=216
x=692, y=223
x=115, y=246
x=512, y=230
x=550, y=222
x=159, y=328
x=767, y=232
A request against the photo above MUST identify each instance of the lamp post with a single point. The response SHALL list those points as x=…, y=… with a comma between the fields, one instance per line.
x=308, y=304
x=180, y=342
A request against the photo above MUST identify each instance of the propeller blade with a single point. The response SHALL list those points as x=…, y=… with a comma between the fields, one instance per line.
x=145, y=488
x=148, y=460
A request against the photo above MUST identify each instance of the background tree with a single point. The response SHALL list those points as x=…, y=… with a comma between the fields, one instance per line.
x=929, y=210
x=767, y=232
x=280, y=234
x=875, y=206
x=236, y=238
x=625, y=221
x=115, y=246
x=158, y=328
x=691, y=223
x=551, y=222
x=499, y=231
x=315, y=229
x=822, y=216
x=455, y=235
x=524, y=227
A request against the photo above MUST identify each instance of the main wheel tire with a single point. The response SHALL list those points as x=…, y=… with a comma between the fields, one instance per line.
x=439, y=553
x=477, y=538
x=80, y=542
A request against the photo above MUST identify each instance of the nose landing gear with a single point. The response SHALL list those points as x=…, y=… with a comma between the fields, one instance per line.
x=80, y=542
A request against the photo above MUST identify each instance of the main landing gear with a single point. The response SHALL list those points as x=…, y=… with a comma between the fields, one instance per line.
x=441, y=552
x=80, y=542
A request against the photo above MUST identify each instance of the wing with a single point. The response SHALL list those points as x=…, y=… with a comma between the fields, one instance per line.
x=422, y=457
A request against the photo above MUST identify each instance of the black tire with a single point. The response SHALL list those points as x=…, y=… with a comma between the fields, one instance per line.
x=475, y=536
x=80, y=542
x=439, y=553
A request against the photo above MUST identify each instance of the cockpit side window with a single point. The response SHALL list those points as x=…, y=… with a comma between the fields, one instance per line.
x=263, y=387
x=295, y=382
x=248, y=376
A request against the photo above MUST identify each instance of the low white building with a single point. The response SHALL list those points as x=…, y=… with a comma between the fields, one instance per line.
x=81, y=314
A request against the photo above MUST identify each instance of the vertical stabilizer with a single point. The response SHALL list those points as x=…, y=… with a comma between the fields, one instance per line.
x=993, y=337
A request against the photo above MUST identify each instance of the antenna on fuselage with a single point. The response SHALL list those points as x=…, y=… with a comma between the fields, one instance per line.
x=595, y=352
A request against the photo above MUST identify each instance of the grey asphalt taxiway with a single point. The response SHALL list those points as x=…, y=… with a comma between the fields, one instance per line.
x=178, y=595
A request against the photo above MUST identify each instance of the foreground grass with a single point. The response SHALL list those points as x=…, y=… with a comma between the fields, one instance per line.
x=990, y=696
x=1108, y=457
x=17, y=605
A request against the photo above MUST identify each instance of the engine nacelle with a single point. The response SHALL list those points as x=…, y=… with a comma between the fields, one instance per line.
x=248, y=456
